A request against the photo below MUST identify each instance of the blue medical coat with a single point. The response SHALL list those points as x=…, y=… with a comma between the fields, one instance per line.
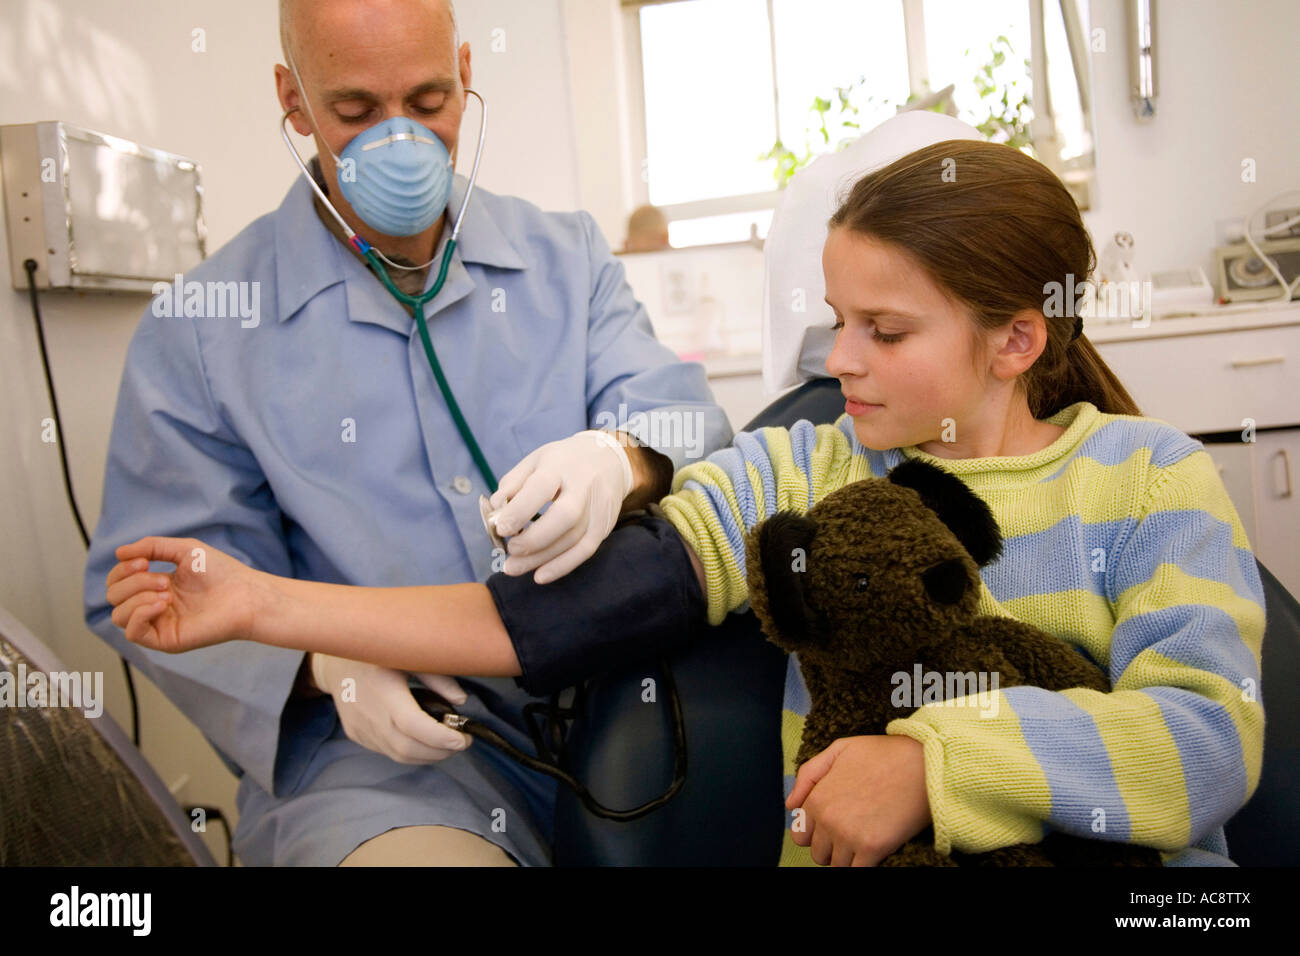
x=314, y=443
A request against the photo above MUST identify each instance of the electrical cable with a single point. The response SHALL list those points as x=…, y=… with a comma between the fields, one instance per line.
x=1288, y=289
x=438, y=707
x=31, y=266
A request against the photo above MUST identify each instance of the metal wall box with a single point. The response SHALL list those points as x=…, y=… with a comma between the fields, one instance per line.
x=97, y=211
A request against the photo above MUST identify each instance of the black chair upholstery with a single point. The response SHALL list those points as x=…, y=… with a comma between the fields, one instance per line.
x=1266, y=831
x=730, y=810
x=817, y=401
x=74, y=790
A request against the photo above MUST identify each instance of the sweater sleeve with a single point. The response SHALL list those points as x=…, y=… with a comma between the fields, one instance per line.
x=715, y=501
x=1175, y=748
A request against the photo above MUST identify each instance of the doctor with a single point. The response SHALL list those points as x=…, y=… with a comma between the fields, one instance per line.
x=317, y=442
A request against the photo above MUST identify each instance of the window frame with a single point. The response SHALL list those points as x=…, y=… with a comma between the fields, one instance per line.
x=914, y=33
x=918, y=83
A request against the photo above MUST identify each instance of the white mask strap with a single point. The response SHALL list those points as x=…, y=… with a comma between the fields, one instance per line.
x=302, y=92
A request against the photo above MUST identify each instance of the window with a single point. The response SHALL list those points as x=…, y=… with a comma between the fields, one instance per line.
x=957, y=38
x=708, y=98
x=716, y=83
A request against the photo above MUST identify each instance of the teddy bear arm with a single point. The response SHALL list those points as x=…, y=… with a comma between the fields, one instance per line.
x=963, y=652
x=1042, y=660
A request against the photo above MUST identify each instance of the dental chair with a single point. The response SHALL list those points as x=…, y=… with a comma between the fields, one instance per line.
x=74, y=791
x=730, y=810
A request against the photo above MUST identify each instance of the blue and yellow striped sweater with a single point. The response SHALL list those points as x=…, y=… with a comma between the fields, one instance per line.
x=1119, y=538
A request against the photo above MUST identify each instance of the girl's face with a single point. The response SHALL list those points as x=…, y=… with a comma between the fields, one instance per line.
x=903, y=348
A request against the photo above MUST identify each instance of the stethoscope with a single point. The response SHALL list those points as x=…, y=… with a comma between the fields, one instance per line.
x=416, y=303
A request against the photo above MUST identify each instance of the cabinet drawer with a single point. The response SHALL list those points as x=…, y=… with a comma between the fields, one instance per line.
x=1237, y=463
x=1278, y=498
x=1207, y=383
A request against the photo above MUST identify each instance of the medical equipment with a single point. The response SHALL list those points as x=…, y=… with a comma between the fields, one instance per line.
x=551, y=755
x=1264, y=271
x=397, y=176
x=96, y=211
x=415, y=303
x=489, y=523
x=1180, y=290
x=1244, y=275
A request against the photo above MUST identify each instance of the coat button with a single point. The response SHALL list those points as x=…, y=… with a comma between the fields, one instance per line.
x=462, y=484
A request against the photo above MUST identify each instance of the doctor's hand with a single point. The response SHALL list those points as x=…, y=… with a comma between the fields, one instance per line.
x=378, y=711
x=863, y=798
x=586, y=477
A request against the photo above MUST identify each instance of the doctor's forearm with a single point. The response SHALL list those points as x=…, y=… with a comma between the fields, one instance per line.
x=442, y=629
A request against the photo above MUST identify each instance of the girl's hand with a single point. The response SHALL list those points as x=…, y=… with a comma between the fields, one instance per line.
x=863, y=798
x=208, y=599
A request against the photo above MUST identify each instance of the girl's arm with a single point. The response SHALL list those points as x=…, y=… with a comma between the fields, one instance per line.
x=211, y=598
x=716, y=501
x=1174, y=750
x=439, y=629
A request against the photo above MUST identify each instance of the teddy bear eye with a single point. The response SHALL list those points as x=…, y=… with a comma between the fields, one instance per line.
x=862, y=585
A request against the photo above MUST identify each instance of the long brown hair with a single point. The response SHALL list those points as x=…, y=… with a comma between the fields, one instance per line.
x=992, y=227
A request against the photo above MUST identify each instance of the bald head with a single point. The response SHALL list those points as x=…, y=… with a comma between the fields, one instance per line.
x=358, y=63
x=296, y=20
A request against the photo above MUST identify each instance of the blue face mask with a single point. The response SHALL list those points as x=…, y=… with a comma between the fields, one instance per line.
x=396, y=176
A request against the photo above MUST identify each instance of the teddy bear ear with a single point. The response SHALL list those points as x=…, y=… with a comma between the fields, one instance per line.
x=784, y=541
x=963, y=511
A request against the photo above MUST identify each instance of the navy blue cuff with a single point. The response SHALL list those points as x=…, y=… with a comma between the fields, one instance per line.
x=637, y=597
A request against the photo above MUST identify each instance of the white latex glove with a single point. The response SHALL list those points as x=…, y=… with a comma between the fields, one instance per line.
x=380, y=713
x=586, y=477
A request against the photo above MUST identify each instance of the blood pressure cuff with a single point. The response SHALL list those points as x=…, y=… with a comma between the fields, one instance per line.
x=636, y=597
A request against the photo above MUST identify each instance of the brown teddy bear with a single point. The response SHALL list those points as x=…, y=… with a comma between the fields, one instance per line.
x=882, y=577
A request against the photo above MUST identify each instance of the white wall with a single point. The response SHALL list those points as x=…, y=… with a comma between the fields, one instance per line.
x=128, y=68
x=1229, y=89
x=520, y=66
x=605, y=161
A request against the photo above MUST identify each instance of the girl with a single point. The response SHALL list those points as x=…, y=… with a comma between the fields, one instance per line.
x=1119, y=538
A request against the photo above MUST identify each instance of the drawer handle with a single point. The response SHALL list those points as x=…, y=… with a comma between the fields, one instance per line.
x=1286, y=473
x=1266, y=360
